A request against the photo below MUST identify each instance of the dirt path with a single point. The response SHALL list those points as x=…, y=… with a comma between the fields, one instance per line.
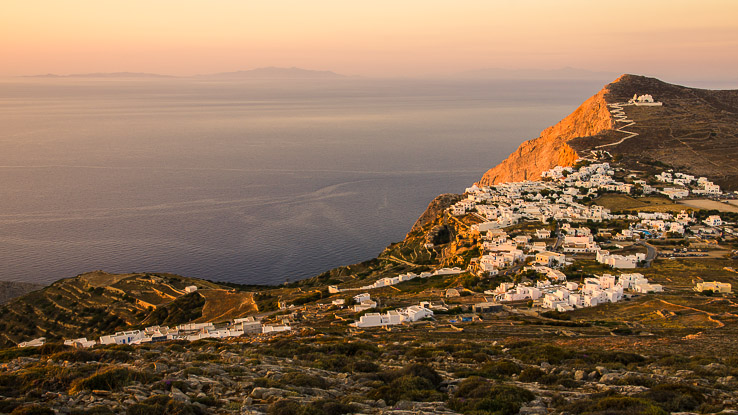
x=618, y=113
x=710, y=316
x=401, y=261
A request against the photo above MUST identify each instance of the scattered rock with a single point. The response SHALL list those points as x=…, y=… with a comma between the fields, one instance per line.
x=611, y=378
x=178, y=395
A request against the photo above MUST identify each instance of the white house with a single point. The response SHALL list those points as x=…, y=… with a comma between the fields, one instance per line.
x=607, y=281
x=648, y=288
x=122, y=337
x=715, y=286
x=365, y=305
x=619, y=261
x=629, y=281
x=713, y=220
x=543, y=233
x=358, y=298
x=550, y=259
x=81, y=343
x=190, y=289
x=375, y=319
x=33, y=343
x=248, y=325
x=415, y=313
x=275, y=329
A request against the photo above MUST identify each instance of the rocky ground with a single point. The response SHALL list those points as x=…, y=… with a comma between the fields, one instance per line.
x=407, y=371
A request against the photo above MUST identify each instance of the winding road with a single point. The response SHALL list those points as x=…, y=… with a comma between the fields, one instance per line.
x=650, y=255
x=619, y=114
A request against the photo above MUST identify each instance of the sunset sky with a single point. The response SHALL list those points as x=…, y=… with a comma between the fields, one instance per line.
x=683, y=39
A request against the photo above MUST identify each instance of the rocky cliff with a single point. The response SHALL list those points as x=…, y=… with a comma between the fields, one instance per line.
x=695, y=131
x=435, y=207
x=551, y=148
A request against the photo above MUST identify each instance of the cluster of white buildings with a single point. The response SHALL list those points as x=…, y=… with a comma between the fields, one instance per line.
x=390, y=281
x=688, y=182
x=660, y=224
x=557, y=197
x=189, y=331
x=604, y=289
x=506, y=204
x=499, y=251
x=393, y=317
x=558, y=294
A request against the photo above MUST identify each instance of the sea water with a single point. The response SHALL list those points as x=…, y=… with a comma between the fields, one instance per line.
x=248, y=181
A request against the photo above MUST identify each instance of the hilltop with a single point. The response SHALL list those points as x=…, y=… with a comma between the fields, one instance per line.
x=694, y=131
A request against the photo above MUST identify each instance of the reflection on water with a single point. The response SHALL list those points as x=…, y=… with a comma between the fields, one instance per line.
x=241, y=181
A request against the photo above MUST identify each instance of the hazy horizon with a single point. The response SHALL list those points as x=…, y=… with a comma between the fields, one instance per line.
x=676, y=40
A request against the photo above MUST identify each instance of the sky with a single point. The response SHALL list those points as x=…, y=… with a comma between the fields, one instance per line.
x=379, y=38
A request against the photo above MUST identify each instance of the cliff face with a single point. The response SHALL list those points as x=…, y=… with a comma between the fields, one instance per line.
x=436, y=206
x=551, y=149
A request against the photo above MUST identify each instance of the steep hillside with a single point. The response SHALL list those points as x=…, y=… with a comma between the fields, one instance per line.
x=696, y=131
x=551, y=148
x=98, y=302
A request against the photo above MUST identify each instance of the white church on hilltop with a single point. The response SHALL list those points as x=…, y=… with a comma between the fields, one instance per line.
x=644, y=100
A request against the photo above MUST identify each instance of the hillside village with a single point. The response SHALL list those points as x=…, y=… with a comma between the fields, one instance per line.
x=558, y=203
x=530, y=236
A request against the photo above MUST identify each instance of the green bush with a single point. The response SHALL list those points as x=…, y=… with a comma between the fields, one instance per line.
x=536, y=354
x=415, y=382
x=319, y=407
x=478, y=396
x=207, y=401
x=675, y=397
x=364, y=366
x=110, y=379
x=500, y=369
x=612, y=404
x=635, y=380
x=531, y=374
x=41, y=377
x=45, y=350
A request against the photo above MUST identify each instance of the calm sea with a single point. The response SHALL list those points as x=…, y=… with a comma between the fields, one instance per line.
x=243, y=181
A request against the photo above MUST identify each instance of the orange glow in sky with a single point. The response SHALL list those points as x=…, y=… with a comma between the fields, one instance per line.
x=372, y=38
